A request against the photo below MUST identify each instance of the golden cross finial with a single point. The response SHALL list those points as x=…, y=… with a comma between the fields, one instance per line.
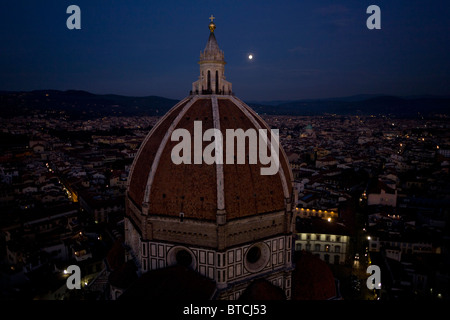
x=212, y=26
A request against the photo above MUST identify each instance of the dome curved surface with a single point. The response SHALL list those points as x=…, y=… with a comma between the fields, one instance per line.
x=199, y=190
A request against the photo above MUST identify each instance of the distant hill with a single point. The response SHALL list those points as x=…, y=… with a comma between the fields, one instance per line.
x=74, y=104
x=358, y=97
x=426, y=106
x=80, y=104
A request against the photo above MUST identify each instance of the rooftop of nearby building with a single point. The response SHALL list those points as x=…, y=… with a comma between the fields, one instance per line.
x=312, y=279
x=174, y=283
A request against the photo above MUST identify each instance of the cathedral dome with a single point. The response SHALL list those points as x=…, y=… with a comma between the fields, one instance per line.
x=158, y=186
x=234, y=186
x=211, y=190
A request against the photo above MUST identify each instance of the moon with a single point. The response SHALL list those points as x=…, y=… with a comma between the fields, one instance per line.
x=250, y=56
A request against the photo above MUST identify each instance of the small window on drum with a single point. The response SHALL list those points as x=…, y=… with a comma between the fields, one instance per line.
x=181, y=256
x=181, y=216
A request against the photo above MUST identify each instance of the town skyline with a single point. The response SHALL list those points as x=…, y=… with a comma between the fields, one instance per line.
x=359, y=178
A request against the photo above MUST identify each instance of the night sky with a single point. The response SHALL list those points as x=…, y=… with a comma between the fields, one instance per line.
x=301, y=49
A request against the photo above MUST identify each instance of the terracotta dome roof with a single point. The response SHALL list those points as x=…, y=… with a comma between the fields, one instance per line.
x=199, y=190
x=312, y=279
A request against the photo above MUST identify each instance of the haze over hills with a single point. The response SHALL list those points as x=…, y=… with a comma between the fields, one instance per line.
x=75, y=104
x=364, y=104
x=358, y=97
x=384, y=105
x=78, y=104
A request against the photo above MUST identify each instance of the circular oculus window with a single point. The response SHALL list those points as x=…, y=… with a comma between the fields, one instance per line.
x=181, y=256
x=257, y=257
